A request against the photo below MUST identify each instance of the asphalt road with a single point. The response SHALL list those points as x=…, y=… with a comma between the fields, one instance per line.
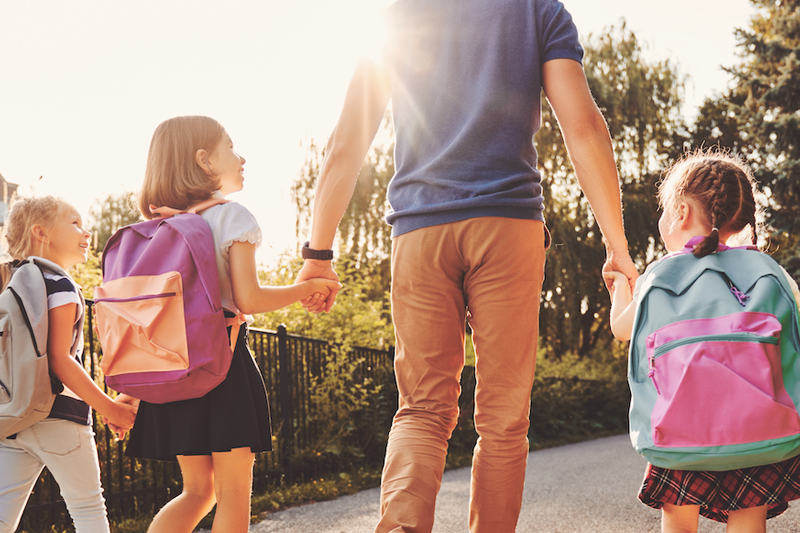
x=581, y=488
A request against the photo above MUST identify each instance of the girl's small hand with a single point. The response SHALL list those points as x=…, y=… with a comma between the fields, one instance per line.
x=125, y=398
x=316, y=299
x=319, y=269
x=616, y=281
x=322, y=288
x=119, y=432
x=121, y=417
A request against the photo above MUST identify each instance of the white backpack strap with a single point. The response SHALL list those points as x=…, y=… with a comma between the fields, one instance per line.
x=166, y=212
x=46, y=264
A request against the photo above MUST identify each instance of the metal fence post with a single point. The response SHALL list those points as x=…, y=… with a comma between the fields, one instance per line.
x=284, y=379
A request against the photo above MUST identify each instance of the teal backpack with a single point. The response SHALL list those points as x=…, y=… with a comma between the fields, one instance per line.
x=714, y=362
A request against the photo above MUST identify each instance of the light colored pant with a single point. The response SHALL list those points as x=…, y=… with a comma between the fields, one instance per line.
x=492, y=268
x=68, y=451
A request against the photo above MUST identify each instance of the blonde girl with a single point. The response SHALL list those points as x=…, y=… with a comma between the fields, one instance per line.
x=708, y=199
x=64, y=442
x=213, y=438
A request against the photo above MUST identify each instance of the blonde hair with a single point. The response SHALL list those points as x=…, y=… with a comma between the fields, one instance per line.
x=25, y=213
x=173, y=178
x=720, y=186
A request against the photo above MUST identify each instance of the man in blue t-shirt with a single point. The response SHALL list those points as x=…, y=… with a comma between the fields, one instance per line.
x=465, y=78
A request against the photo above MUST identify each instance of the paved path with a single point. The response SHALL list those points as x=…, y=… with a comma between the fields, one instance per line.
x=581, y=488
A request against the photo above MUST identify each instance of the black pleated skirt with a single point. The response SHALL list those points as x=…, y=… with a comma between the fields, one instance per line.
x=235, y=414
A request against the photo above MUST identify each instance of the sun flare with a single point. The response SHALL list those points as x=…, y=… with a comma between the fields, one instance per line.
x=359, y=27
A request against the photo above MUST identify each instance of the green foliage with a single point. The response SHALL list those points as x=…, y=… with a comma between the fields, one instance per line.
x=641, y=101
x=577, y=410
x=766, y=105
x=111, y=214
x=360, y=316
x=348, y=415
x=326, y=488
x=88, y=275
x=364, y=236
x=716, y=126
x=131, y=525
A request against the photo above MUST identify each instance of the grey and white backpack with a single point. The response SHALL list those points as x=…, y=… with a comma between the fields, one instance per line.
x=26, y=394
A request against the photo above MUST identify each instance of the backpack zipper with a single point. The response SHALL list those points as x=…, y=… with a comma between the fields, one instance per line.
x=740, y=296
x=722, y=337
x=136, y=298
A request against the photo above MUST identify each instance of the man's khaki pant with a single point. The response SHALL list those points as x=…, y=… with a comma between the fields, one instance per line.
x=490, y=270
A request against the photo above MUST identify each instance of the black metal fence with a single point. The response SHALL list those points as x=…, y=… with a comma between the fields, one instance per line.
x=291, y=366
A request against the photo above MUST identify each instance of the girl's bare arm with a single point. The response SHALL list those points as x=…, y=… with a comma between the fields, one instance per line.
x=252, y=297
x=622, y=305
x=69, y=371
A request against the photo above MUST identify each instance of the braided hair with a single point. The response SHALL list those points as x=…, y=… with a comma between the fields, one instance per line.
x=720, y=187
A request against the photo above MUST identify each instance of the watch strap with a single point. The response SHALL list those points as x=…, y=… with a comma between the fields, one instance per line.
x=310, y=253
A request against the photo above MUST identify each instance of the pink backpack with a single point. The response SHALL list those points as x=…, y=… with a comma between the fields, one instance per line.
x=159, y=313
x=714, y=362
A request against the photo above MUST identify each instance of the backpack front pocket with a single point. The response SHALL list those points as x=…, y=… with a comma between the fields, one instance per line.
x=140, y=321
x=719, y=382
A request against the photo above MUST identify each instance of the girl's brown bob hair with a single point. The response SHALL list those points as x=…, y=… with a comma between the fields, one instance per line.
x=173, y=178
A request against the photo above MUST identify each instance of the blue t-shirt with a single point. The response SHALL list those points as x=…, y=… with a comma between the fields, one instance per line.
x=466, y=98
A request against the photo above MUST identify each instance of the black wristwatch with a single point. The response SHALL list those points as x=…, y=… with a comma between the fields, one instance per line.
x=309, y=253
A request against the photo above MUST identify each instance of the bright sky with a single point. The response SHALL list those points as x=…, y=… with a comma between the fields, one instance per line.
x=84, y=83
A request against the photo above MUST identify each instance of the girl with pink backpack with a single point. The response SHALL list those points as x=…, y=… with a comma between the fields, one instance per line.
x=709, y=205
x=215, y=437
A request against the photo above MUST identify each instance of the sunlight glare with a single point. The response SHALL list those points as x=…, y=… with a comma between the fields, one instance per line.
x=359, y=27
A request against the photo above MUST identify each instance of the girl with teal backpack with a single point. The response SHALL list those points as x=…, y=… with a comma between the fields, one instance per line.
x=714, y=360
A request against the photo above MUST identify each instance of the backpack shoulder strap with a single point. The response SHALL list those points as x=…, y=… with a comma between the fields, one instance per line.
x=28, y=287
x=47, y=265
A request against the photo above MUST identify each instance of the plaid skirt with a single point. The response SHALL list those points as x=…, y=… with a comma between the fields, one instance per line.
x=719, y=493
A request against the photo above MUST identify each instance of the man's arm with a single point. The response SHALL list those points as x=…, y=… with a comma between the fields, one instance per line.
x=364, y=105
x=592, y=155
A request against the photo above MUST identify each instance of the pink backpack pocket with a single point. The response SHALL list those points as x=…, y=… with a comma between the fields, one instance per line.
x=141, y=321
x=719, y=382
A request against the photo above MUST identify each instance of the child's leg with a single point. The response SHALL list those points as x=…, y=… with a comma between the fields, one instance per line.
x=19, y=471
x=184, y=512
x=679, y=518
x=233, y=485
x=69, y=452
x=752, y=520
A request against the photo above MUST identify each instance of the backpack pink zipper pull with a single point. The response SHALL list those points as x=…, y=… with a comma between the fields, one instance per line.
x=652, y=374
x=740, y=296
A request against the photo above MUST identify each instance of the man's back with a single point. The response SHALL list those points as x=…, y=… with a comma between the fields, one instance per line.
x=466, y=99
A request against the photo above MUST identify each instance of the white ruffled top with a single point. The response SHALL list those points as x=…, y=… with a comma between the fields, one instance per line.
x=229, y=223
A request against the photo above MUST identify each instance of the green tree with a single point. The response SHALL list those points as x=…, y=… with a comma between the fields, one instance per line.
x=365, y=240
x=111, y=214
x=357, y=319
x=766, y=104
x=716, y=125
